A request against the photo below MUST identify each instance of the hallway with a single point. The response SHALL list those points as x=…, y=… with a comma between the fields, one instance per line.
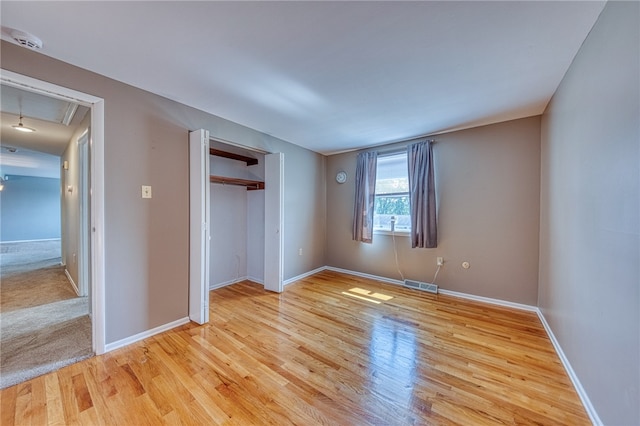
x=43, y=324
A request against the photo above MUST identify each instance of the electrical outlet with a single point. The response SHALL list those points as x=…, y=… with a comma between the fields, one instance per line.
x=439, y=261
x=300, y=252
x=146, y=191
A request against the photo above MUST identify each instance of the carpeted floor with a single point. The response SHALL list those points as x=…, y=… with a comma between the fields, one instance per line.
x=43, y=324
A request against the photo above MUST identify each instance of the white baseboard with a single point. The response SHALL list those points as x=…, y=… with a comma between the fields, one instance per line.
x=588, y=406
x=141, y=336
x=363, y=275
x=305, y=275
x=442, y=291
x=489, y=300
x=256, y=280
x=226, y=283
x=73, y=283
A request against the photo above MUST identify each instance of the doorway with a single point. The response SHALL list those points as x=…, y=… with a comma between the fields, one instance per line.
x=93, y=212
x=268, y=180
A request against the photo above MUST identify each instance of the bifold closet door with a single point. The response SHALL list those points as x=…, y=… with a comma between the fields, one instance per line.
x=273, y=221
x=199, y=226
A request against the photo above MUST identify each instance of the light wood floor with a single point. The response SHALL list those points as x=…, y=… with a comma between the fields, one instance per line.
x=314, y=355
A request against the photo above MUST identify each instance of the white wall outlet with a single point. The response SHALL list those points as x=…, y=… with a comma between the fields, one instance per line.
x=439, y=261
x=466, y=265
x=146, y=191
x=300, y=251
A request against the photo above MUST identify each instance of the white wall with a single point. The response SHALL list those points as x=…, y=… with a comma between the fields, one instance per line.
x=589, y=289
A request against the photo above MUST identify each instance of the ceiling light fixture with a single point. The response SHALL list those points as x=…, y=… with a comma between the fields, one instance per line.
x=21, y=127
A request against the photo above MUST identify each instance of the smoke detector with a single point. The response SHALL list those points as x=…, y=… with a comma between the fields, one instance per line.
x=27, y=40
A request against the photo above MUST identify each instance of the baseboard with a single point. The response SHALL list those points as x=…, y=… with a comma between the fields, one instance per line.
x=141, y=336
x=305, y=275
x=226, y=283
x=442, y=291
x=256, y=280
x=363, y=275
x=489, y=300
x=73, y=283
x=586, y=402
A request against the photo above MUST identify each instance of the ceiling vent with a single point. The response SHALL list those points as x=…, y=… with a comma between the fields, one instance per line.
x=27, y=40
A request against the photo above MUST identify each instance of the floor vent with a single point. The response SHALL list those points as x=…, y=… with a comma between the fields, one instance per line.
x=431, y=288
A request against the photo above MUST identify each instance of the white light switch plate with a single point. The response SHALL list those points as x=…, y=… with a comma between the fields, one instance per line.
x=146, y=191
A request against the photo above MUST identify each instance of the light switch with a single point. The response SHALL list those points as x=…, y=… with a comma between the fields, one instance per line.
x=146, y=191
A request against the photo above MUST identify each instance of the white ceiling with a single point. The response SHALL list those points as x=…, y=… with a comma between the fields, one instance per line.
x=55, y=120
x=329, y=76
x=37, y=153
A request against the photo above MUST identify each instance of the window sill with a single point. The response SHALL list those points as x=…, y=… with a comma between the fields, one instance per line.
x=396, y=233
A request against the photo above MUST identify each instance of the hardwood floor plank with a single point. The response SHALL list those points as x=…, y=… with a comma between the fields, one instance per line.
x=315, y=356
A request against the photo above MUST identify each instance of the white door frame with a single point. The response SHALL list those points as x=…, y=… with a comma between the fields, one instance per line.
x=84, y=236
x=199, y=222
x=274, y=222
x=97, y=264
x=199, y=226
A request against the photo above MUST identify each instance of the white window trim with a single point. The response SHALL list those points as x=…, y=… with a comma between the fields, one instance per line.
x=403, y=233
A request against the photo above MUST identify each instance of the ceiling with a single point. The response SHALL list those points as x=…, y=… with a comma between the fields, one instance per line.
x=328, y=76
x=37, y=153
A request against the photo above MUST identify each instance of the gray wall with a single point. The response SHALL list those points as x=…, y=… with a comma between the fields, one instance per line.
x=147, y=240
x=488, y=193
x=30, y=209
x=590, y=216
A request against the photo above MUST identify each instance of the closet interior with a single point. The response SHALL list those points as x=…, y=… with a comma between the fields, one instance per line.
x=237, y=215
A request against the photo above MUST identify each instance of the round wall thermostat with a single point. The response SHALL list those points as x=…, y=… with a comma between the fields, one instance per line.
x=341, y=177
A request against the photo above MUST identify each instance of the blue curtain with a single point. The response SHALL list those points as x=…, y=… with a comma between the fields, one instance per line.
x=422, y=195
x=365, y=196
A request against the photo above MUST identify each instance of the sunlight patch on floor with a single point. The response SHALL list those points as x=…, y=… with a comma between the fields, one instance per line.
x=359, y=293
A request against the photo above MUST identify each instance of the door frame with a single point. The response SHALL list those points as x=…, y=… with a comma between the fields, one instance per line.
x=274, y=222
x=199, y=226
x=84, y=236
x=199, y=223
x=97, y=216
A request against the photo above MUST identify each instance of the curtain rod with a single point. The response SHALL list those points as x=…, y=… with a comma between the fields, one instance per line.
x=400, y=149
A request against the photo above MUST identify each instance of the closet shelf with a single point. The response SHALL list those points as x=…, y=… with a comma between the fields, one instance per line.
x=218, y=153
x=251, y=185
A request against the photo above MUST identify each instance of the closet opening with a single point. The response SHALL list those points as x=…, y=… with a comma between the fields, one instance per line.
x=237, y=206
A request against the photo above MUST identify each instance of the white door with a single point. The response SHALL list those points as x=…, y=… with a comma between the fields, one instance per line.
x=273, y=221
x=83, y=234
x=199, y=220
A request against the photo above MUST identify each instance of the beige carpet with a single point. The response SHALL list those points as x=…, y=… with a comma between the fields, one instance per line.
x=43, y=324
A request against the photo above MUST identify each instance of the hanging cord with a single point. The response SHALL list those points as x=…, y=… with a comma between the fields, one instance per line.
x=436, y=275
x=395, y=249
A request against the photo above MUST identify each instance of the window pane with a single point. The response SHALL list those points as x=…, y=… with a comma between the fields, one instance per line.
x=391, y=176
x=392, y=193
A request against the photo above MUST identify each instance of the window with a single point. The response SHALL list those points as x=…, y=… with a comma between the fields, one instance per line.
x=392, y=194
